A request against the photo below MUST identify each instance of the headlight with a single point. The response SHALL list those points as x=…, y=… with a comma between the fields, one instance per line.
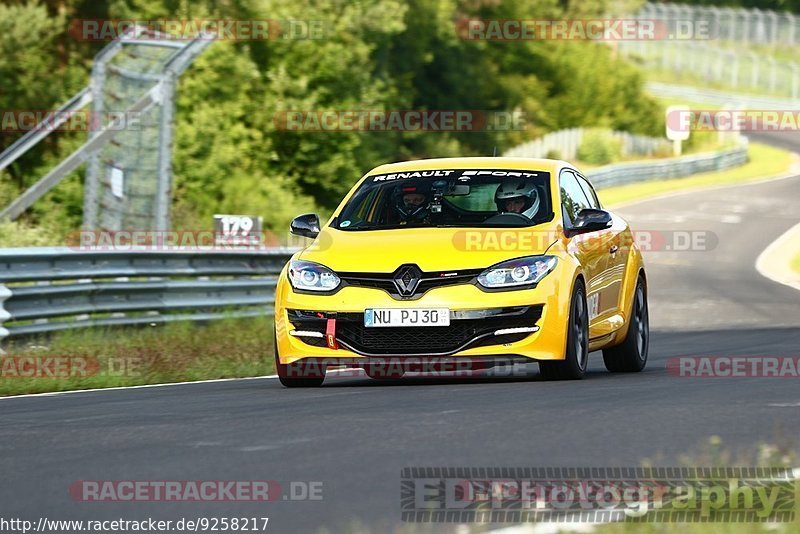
x=519, y=272
x=310, y=276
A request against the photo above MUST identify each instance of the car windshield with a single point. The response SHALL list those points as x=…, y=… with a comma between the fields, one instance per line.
x=449, y=198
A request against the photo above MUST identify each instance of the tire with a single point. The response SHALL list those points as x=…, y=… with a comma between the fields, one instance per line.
x=573, y=367
x=630, y=356
x=298, y=375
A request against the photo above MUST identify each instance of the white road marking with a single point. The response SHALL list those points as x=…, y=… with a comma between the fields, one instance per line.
x=142, y=386
x=258, y=448
x=276, y=445
x=738, y=208
x=207, y=444
x=775, y=261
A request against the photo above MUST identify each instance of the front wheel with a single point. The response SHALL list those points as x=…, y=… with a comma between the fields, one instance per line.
x=630, y=356
x=298, y=374
x=573, y=367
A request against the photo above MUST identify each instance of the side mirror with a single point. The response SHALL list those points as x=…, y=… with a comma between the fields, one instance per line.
x=305, y=225
x=590, y=220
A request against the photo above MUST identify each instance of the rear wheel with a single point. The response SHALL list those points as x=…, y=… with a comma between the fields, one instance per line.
x=574, y=364
x=298, y=374
x=630, y=356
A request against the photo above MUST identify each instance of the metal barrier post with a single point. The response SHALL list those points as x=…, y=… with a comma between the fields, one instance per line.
x=4, y=315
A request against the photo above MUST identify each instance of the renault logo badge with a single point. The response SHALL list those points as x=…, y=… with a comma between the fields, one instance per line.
x=406, y=279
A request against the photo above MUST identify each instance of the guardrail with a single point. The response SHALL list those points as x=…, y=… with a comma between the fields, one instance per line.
x=636, y=171
x=642, y=171
x=49, y=289
x=564, y=144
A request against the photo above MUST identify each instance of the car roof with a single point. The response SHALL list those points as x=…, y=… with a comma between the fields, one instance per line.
x=535, y=164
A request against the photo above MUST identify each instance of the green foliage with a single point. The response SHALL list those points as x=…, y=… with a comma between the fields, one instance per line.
x=16, y=234
x=599, y=147
x=230, y=155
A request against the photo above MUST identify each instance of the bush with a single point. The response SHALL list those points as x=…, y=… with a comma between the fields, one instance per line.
x=17, y=234
x=599, y=147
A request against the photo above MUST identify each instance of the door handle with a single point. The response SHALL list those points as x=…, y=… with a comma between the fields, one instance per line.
x=613, y=249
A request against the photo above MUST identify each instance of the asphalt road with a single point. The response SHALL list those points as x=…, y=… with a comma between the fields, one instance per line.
x=354, y=435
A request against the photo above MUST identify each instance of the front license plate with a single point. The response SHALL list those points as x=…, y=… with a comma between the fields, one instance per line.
x=410, y=317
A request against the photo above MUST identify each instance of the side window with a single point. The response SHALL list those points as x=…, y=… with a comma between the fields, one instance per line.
x=573, y=199
x=590, y=192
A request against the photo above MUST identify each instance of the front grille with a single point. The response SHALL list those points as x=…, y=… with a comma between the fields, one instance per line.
x=468, y=328
x=428, y=281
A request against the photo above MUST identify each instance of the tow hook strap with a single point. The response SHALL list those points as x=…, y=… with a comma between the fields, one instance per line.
x=330, y=333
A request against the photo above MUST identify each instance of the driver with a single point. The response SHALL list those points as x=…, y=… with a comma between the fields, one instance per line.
x=517, y=197
x=413, y=204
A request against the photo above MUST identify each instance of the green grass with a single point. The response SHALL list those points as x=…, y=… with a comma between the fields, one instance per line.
x=780, y=452
x=176, y=352
x=698, y=528
x=764, y=161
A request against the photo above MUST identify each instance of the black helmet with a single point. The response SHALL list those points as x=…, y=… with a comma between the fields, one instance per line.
x=412, y=212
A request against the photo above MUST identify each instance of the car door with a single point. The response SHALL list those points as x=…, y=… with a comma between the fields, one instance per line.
x=618, y=250
x=591, y=249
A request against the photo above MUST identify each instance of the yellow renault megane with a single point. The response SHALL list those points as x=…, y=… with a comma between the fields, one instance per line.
x=474, y=261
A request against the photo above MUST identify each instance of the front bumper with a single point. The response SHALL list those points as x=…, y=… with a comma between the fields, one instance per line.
x=468, y=329
x=476, y=317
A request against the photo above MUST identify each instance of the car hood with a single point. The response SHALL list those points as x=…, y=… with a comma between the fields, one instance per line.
x=432, y=249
